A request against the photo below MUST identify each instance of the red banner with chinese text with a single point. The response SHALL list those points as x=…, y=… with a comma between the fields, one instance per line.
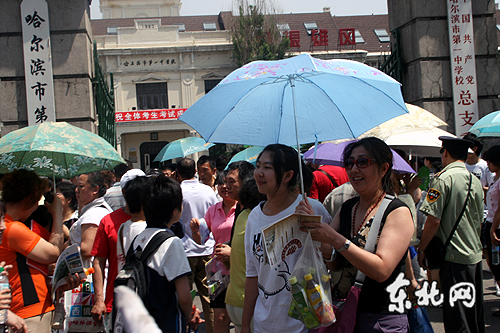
x=148, y=115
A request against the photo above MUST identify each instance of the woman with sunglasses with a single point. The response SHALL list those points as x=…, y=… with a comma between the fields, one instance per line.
x=368, y=163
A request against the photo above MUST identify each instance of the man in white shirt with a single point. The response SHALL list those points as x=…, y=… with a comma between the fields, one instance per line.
x=197, y=198
x=477, y=166
x=114, y=196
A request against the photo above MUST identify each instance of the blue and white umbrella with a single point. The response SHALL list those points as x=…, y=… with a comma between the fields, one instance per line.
x=182, y=148
x=489, y=125
x=296, y=101
x=262, y=102
x=249, y=154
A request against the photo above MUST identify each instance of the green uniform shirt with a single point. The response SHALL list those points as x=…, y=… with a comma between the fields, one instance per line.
x=445, y=200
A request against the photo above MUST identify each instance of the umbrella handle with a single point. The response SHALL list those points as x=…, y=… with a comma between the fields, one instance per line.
x=292, y=84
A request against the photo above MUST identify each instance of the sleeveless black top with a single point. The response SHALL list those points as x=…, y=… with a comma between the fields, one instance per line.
x=373, y=298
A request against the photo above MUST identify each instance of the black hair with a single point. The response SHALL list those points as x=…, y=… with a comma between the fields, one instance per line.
x=97, y=178
x=492, y=155
x=402, y=154
x=170, y=167
x=109, y=178
x=120, y=170
x=41, y=216
x=380, y=152
x=50, y=182
x=245, y=169
x=206, y=158
x=221, y=162
x=67, y=189
x=133, y=192
x=154, y=172
x=486, y=156
x=478, y=143
x=20, y=184
x=220, y=178
x=159, y=199
x=458, y=154
x=249, y=194
x=186, y=168
x=284, y=159
x=129, y=164
x=435, y=162
x=2, y=209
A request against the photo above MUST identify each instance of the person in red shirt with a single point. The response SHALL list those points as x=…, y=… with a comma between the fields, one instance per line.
x=104, y=248
x=326, y=178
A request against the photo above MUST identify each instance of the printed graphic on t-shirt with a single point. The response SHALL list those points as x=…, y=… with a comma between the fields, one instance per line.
x=279, y=282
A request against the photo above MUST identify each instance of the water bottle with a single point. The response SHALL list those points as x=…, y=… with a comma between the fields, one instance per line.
x=321, y=306
x=299, y=299
x=495, y=255
x=4, y=284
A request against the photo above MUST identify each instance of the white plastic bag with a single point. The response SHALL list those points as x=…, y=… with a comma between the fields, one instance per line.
x=313, y=280
x=217, y=277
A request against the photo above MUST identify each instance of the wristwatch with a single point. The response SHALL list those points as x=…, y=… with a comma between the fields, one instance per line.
x=345, y=246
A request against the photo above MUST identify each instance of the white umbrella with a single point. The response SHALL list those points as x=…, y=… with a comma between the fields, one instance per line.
x=420, y=143
x=417, y=119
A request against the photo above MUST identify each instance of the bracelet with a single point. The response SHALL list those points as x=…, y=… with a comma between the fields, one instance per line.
x=194, y=310
x=332, y=256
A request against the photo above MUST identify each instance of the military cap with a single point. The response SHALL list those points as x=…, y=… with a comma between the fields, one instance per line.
x=452, y=143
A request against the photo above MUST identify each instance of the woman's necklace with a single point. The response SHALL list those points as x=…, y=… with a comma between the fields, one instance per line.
x=366, y=215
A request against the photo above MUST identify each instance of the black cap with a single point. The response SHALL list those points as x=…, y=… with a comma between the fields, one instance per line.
x=452, y=143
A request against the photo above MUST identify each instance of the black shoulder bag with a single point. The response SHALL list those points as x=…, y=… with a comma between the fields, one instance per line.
x=435, y=252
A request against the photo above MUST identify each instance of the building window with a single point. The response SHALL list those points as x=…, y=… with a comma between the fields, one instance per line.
x=283, y=27
x=382, y=35
x=182, y=27
x=112, y=30
x=211, y=26
x=359, y=38
x=310, y=26
x=210, y=84
x=151, y=96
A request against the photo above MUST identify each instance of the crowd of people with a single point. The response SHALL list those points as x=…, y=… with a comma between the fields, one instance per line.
x=207, y=210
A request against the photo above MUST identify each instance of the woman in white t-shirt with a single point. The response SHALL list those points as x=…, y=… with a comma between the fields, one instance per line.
x=267, y=290
x=492, y=224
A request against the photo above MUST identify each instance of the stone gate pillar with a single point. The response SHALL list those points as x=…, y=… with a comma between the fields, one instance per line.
x=71, y=43
x=422, y=27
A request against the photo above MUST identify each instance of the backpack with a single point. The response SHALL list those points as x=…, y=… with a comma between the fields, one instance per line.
x=133, y=273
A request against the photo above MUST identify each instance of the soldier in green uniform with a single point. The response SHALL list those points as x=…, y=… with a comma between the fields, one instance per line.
x=444, y=202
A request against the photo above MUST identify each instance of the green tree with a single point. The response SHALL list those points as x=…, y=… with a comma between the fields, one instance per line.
x=255, y=34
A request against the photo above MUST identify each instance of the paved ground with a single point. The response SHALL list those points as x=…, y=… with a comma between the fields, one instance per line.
x=491, y=304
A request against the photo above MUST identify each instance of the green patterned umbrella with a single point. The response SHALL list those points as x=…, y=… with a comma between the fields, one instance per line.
x=56, y=149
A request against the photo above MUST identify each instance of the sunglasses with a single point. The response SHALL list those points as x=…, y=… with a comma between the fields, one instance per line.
x=361, y=163
x=441, y=151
